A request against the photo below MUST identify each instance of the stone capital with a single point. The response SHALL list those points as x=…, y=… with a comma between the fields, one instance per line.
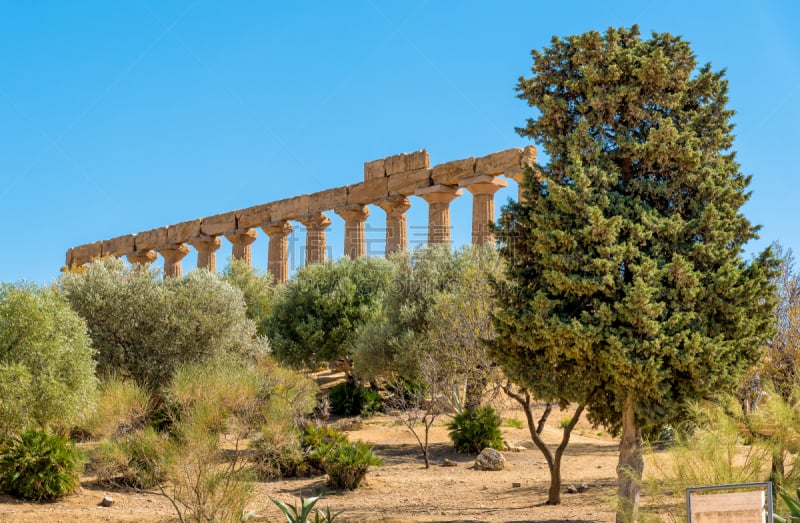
x=278, y=228
x=173, y=251
x=353, y=213
x=482, y=184
x=315, y=220
x=206, y=246
x=204, y=242
x=394, y=205
x=439, y=193
x=142, y=256
x=241, y=236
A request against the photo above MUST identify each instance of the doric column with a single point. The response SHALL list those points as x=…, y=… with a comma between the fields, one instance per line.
x=206, y=251
x=482, y=189
x=315, y=224
x=396, y=234
x=141, y=257
x=354, y=216
x=278, y=257
x=241, y=240
x=173, y=253
x=518, y=177
x=438, y=198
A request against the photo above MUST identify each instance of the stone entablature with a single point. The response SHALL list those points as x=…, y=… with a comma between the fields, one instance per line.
x=388, y=183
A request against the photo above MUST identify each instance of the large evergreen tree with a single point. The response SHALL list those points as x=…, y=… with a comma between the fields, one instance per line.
x=626, y=288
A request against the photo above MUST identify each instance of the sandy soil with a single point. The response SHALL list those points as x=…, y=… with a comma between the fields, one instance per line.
x=402, y=490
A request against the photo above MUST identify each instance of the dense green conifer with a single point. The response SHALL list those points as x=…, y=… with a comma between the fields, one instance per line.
x=626, y=287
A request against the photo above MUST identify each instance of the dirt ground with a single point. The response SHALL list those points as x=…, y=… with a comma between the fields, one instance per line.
x=401, y=490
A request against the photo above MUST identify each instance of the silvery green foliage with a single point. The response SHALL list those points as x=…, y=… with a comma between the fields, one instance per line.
x=143, y=327
x=46, y=368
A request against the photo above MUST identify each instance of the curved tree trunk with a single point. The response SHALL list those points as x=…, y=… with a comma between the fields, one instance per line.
x=630, y=467
x=553, y=461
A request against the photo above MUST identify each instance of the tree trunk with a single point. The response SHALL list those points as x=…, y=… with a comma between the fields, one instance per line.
x=473, y=392
x=630, y=467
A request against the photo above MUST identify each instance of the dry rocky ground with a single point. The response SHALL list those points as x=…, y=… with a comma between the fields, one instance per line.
x=402, y=490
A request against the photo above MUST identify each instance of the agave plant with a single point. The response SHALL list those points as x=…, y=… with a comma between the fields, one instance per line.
x=301, y=514
x=793, y=505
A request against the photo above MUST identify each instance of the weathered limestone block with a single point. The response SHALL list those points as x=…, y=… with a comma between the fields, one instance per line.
x=218, y=224
x=526, y=159
x=406, y=183
x=290, y=208
x=451, y=172
x=499, y=162
x=181, y=232
x=407, y=162
x=253, y=216
x=85, y=253
x=119, y=246
x=151, y=239
x=368, y=192
x=327, y=200
x=374, y=169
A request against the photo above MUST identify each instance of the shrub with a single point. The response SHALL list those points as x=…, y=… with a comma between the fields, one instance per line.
x=144, y=327
x=278, y=453
x=474, y=430
x=135, y=460
x=348, y=399
x=314, y=317
x=513, y=423
x=47, y=375
x=36, y=465
x=347, y=463
x=122, y=407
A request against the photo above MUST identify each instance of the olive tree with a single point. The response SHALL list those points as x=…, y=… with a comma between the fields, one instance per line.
x=47, y=377
x=143, y=326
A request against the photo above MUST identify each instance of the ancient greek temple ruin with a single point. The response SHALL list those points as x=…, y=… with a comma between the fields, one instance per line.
x=388, y=184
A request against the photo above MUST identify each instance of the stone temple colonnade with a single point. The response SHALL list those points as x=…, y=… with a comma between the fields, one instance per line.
x=388, y=184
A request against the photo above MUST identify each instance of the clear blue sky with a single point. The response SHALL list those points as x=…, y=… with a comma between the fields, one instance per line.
x=117, y=117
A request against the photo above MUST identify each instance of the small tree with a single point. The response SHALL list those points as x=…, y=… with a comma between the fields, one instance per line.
x=314, y=316
x=257, y=289
x=392, y=341
x=143, y=327
x=625, y=276
x=46, y=367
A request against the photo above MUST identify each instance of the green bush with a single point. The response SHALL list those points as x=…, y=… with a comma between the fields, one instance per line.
x=347, y=463
x=278, y=453
x=143, y=326
x=36, y=465
x=134, y=460
x=348, y=399
x=47, y=371
x=122, y=407
x=474, y=430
